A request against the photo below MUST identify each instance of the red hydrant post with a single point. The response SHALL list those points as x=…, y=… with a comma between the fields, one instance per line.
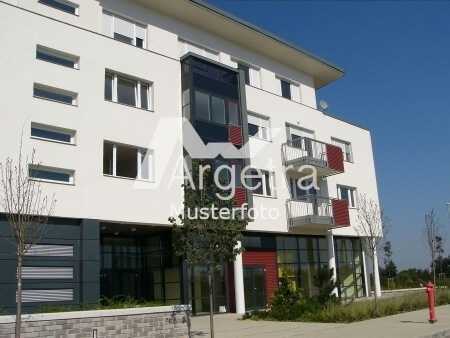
x=431, y=301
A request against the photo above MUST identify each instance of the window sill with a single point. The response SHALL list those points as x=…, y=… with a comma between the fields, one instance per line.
x=129, y=105
x=57, y=64
x=52, y=141
x=131, y=179
x=51, y=181
x=45, y=99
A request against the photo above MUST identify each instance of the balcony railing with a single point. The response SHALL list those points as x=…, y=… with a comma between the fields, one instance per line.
x=327, y=158
x=317, y=212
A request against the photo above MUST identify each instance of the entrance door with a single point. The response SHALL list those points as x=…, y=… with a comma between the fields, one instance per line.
x=255, y=287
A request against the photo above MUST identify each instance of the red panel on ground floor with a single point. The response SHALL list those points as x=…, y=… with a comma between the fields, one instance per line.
x=268, y=260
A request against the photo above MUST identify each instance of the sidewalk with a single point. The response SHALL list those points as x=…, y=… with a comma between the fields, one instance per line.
x=408, y=325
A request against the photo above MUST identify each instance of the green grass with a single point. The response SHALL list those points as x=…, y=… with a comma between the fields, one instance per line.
x=362, y=310
x=105, y=304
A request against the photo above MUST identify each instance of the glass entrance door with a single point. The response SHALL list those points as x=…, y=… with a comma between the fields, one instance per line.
x=255, y=287
x=200, y=290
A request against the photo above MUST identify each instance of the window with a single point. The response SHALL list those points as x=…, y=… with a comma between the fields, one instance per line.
x=347, y=193
x=299, y=193
x=126, y=161
x=54, y=94
x=346, y=148
x=129, y=91
x=62, y=5
x=124, y=30
x=48, y=174
x=285, y=89
x=252, y=76
x=216, y=109
x=265, y=181
x=259, y=126
x=188, y=46
x=45, y=132
x=57, y=57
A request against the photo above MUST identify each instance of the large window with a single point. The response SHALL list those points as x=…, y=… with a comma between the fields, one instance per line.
x=62, y=5
x=304, y=261
x=349, y=267
x=124, y=30
x=259, y=126
x=127, y=161
x=57, y=57
x=216, y=109
x=347, y=193
x=263, y=181
x=126, y=90
x=346, y=148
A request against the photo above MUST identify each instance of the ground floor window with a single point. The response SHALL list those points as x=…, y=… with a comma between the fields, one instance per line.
x=139, y=265
x=304, y=261
x=200, y=290
x=349, y=267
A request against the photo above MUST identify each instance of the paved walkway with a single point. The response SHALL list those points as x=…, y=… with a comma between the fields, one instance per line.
x=408, y=325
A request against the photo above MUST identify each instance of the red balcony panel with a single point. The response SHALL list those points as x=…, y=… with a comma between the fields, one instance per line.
x=235, y=135
x=240, y=196
x=335, y=157
x=340, y=212
x=267, y=260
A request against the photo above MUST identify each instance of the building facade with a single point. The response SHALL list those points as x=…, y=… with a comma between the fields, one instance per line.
x=105, y=85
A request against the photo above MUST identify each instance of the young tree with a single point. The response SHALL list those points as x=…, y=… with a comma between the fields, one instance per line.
x=207, y=241
x=372, y=224
x=431, y=233
x=27, y=209
x=389, y=270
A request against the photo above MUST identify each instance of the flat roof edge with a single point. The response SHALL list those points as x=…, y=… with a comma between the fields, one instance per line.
x=262, y=31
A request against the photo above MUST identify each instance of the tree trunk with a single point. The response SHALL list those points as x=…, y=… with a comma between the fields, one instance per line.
x=375, y=290
x=19, y=296
x=211, y=301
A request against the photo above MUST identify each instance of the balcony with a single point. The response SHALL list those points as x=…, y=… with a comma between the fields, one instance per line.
x=326, y=158
x=317, y=213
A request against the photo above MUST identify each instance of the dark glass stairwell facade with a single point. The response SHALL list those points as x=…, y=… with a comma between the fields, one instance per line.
x=214, y=103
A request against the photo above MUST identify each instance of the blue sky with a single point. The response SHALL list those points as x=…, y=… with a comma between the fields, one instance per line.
x=397, y=61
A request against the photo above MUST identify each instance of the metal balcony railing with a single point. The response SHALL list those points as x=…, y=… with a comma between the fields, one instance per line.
x=307, y=151
x=317, y=211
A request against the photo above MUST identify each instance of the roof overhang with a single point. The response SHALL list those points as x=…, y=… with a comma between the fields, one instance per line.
x=218, y=22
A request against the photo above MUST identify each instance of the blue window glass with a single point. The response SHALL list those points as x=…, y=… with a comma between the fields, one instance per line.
x=285, y=89
x=50, y=134
x=44, y=174
x=61, y=5
x=52, y=95
x=53, y=58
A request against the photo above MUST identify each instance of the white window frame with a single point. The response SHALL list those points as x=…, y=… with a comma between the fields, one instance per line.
x=296, y=95
x=59, y=54
x=137, y=90
x=260, y=132
x=352, y=203
x=67, y=3
x=46, y=127
x=140, y=153
x=271, y=182
x=69, y=172
x=346, y=147
x=131, y=21
x=254, y=72
x=55, y=90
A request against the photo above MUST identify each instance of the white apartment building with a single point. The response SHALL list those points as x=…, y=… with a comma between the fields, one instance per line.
x=99, y=89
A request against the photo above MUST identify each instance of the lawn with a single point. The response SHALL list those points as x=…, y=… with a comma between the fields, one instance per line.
x=358, y=310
